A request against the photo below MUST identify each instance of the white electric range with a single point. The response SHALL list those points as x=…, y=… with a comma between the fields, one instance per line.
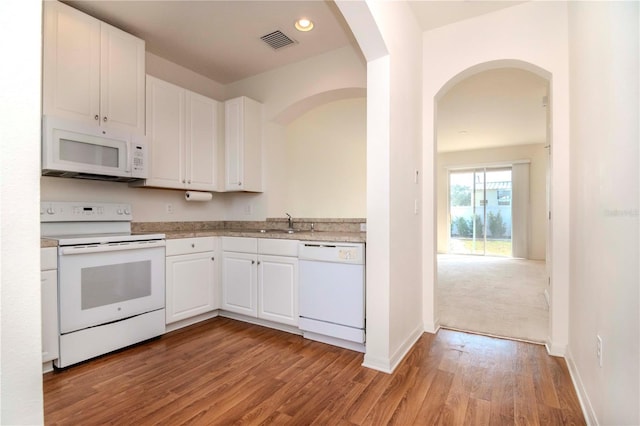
x=111, y=283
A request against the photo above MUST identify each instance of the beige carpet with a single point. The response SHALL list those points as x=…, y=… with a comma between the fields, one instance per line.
x=492, y=295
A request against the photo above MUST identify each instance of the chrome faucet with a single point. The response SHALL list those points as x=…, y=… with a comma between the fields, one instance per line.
x=290, y=220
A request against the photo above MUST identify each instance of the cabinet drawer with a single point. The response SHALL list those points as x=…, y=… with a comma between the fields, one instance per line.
x=48, y=258
x=240, y=244
x=190, y=245
x=278, y=247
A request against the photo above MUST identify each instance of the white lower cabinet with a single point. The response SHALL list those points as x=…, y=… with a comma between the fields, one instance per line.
x=260, y=278
x=239, y=283
x=191, y=277
x=278, y=289
x=49, y=303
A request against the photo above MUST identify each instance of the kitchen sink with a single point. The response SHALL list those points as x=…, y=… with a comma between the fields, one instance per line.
x=277, y=231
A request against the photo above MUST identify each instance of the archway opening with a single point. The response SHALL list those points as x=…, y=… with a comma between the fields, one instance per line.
x=492, y=126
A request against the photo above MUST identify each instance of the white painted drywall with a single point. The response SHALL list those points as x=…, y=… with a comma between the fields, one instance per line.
x=604, y=54
x=335, y=73
x=183, y=77
x=531, y=36
x=327, y=163
x=536, y=154
x=20, y=325
x=390, y=36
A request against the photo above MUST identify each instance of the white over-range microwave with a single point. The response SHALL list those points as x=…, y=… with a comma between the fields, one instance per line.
x=74, y=149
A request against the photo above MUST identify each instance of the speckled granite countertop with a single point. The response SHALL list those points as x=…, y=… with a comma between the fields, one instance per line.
x=351, y=237
x=338, y=230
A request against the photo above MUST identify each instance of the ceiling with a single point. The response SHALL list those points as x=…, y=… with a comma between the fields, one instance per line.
x=494, y=108
x=221, y=40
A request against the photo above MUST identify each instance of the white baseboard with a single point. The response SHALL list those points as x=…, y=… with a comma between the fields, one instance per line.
x=555, y=349
x=432, y=327
x=379, y=364
x=47, y=367
x=389, y=365
x=583, y=397
x=258, y=321
x=190, y=321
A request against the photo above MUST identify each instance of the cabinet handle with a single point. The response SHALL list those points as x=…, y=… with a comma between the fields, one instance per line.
x=193, y=246
x=239, y=183
x=213, y=258
x=253, y=262
x=105, y=119
x=96, y=117
x=258, y=262
x=189, y=181
x=184, y=181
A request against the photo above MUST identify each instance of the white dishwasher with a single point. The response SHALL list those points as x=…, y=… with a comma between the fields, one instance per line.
x=332, y=293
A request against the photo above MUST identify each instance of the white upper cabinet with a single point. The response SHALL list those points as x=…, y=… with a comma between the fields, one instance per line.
x=182, y=137
x=92, y=71
x=243, y=145
x=202, y=142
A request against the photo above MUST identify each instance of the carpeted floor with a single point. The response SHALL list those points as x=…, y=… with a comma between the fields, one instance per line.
x=493, y=295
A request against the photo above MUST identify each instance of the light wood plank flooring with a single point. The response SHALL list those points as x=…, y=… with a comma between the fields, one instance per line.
x=222, y=372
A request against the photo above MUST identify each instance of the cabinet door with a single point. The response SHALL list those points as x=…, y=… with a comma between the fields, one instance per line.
x=278, y=289
x=239, y=283
x=71, y=64
x=202, y=142
x=191, y=285
x=233, y=142
x=122, y=80
x=49, y=307
x=165, y=134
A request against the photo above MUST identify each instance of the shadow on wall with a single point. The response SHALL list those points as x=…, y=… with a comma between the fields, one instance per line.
x=324, y=158
x=299, y=108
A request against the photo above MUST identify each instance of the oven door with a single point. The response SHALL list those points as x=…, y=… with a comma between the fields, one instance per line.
x=103, y=283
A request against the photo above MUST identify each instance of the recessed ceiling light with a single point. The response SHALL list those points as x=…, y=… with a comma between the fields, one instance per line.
x=304, y=24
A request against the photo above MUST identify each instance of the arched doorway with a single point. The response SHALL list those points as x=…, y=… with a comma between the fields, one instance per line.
x=492, y=145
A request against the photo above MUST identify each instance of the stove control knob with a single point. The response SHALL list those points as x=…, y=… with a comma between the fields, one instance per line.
x=50, y=210
x=127, y=212
x=119, y=211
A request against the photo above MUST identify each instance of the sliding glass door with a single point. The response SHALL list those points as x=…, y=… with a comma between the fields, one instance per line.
x=480, y=211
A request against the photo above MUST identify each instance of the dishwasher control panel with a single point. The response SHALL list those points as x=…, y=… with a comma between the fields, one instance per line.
x=347, y=253
x=332, y=252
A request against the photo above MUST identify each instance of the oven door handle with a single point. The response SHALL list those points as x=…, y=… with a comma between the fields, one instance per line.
x=103, y=248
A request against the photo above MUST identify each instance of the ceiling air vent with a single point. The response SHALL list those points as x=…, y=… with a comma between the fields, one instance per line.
x=277, y=40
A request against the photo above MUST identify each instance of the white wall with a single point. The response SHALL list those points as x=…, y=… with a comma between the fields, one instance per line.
x=21, y=351
x=280, y=91
x=531, y=36
x=604, y=54
x=390, y=38
x=536, y=153
x=327, y=158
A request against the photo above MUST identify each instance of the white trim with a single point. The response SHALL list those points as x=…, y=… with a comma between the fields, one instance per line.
x=432, y=328
x=388, y=365
x=378, y=364
x=555, y=349
x=261, y=322
x=190, y=321
x=587, y=409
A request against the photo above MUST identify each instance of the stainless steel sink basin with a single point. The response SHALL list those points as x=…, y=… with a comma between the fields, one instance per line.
x=277, y=231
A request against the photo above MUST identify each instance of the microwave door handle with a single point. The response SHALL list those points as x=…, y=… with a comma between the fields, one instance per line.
x=129, y=158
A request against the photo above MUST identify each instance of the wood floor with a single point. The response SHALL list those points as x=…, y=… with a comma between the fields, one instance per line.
x=222, y=372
